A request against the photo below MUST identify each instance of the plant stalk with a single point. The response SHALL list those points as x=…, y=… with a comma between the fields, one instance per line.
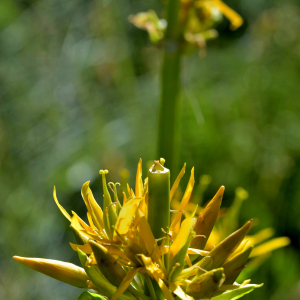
x=169, y=133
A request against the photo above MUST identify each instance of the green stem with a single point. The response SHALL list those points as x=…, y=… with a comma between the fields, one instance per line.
x=169, y=115
x=150, y=287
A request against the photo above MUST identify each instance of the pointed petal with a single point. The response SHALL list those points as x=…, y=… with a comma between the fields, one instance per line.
x=92, y=206
x=79, y=224
x=63, y=211
x=124, y=198
x=139, y=181
x=270, y=246
x=177, y=181
x=184, y=202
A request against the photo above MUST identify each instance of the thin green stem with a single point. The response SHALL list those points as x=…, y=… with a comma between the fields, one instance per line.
x=150, y=287
x=169, y=115
x=137, y=293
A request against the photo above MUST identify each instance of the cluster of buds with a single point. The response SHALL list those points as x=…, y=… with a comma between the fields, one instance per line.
x=140, y=248
x=197, y=18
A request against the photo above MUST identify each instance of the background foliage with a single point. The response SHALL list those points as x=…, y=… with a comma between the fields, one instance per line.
x=79, y=92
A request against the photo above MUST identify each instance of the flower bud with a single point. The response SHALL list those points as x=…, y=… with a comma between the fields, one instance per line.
x=205, y=285
x=62, y=271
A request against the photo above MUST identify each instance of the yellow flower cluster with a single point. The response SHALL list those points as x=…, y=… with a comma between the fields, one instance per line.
x=142, y=249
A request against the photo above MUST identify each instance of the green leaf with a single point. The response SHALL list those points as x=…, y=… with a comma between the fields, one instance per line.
x=90, y=296
x=238, y=293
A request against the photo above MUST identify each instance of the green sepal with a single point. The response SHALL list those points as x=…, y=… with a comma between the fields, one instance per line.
x=206, y=285
x=107, y=264
x=98, y=279
x=81, y=238
x=90, y=296
x=238, y=293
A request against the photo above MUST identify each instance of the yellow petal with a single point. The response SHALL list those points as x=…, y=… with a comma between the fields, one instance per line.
x=125, y=283
x=187, y=258
x=165, y=290
x=240, y=248
x=78, y=223
x=235, y=19
x=177, y=290
x=91, y=221
x=124, y=198
x=177, y=181
x=92, y=206
x=270, y=246
x=64, y=212
x=139, y=181
x=152, y=268
x=186, y=197
x=128, y=190
x=134, y=227
x=148, y=239
x=86, y=248
x=126, y=215
x=182, y=236
x=188, y=191
x=261, y=236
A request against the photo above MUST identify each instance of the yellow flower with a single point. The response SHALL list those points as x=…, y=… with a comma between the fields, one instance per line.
x=137, y=250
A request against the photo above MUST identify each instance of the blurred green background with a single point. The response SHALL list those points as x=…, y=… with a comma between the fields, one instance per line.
x=79, y=92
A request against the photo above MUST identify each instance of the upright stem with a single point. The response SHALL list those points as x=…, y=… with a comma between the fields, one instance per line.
x=169, y=134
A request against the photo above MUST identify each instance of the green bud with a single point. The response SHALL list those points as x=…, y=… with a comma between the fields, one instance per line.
x=97, y=278
x=206, y=285
x=107, y=264
x=235, y=265
x=221, y=252
x=206, y=220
